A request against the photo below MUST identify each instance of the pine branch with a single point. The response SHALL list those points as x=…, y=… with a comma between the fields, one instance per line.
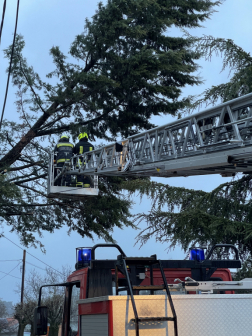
x=26, y=166
x=31, y=179
x=9, y=158
x=31, y=87
x=18, y=214
x=71, y=125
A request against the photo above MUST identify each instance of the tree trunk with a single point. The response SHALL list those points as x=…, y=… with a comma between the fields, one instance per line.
x=21, y=329
x=32, y=330
x=53, y=331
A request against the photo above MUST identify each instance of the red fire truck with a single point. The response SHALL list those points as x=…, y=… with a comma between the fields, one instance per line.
x=133, y=296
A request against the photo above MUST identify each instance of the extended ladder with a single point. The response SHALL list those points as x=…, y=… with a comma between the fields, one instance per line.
x=217, y=140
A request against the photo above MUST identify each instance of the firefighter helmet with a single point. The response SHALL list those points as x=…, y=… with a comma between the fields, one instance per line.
x=64, y=136
x=83, y=135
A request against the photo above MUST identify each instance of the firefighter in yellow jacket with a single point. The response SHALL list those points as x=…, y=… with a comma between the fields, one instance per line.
x=63, y=152
x=82, y=147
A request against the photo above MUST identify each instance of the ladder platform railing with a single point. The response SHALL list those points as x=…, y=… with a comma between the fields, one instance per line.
x=217, y=140
x=224, y=130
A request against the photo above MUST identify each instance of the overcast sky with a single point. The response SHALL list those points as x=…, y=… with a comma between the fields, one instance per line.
x=47, y=23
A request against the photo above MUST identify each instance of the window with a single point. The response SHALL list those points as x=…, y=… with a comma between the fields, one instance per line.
x=73, y=322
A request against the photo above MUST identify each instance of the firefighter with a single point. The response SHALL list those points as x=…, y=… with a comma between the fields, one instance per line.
x=63, y=152
x=82, y=147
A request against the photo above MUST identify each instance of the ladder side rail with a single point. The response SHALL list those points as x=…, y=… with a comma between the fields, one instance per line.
x=235, y=126
x=132, y=296
x=173, y=144
x=198, y=132
x=156, y=145
x=220, y=124
x=245, y=100
x=99, y=162
x=186, y=138
x=112, y=162
x=182, y=135
x=104, y=158
x=170, y=299
x=143, y=147
x=240, y=121
x=126, y=151
x=132, y=149
x=151, y=149
x=249, y=117
x=162, y=143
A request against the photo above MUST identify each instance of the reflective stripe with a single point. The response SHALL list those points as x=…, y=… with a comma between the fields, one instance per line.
x=90, y=149
x=64, y=144
x=82, y=185
x=81, y=150
x=62, y=160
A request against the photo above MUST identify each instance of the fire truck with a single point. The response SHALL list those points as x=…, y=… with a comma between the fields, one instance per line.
x=144, y=296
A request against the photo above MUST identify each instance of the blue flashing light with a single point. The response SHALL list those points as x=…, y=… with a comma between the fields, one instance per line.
x=84, y=255
x=197, y=254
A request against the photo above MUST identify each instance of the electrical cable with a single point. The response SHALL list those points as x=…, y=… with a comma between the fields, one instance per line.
x=35, y=266
x=10, y=272
x=13, y=276
x=10, y=260
x=32, y=255
x=9, y=72
x=2, y=22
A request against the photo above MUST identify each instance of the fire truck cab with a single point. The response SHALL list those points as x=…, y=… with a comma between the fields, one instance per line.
x=134, y=296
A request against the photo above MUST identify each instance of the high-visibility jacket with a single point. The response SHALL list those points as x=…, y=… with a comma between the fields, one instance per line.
x=82, y=146
x=64, y=151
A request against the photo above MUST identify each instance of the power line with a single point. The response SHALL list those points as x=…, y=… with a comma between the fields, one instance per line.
x=35, y=265
x=13, y=276
x=10, y=272
x=10, y=260
x=9, y=72
x=32, y=255
x=2, y=22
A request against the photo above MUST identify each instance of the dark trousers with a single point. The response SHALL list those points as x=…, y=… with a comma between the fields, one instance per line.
x=83, y=181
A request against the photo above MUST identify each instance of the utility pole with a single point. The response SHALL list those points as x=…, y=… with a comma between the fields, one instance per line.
x=23, y=275
x=21, y=327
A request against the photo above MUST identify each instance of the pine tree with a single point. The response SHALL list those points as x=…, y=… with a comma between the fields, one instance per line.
x=122, y=70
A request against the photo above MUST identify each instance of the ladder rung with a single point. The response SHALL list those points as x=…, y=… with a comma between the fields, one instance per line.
x=150, y=287
x=122, y=289
x=147, y=319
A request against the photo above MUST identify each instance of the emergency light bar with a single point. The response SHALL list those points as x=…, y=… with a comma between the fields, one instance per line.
x=83, y=256
x=197, y=254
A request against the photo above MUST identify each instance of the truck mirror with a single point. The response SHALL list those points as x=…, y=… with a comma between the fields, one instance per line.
x=40, y=320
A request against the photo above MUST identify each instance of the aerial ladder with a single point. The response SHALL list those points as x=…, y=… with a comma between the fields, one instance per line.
x=217, y=140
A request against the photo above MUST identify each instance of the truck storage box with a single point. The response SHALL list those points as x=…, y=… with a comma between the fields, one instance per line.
x=198, y=315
